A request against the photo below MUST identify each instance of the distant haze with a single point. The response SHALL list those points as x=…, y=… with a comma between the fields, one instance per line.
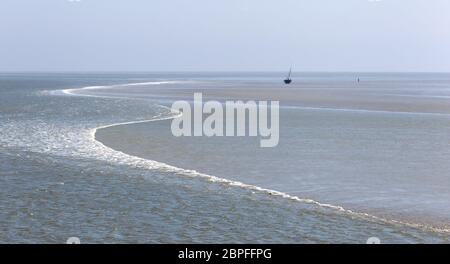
x=225, y=35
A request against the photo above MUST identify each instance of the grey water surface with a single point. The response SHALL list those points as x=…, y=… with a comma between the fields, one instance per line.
x=378, y=149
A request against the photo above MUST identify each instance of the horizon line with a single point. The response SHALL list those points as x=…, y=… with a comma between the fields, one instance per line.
x=208, y=71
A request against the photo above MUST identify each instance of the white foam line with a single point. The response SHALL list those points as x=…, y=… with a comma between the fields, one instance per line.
x=421, y=96
x=192, y=173
x=215, y=179
x=72, y=91
x=168, y=98
x=363, y=110
x=154, y=83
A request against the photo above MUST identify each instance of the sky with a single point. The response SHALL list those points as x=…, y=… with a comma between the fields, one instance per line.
x=225, y=35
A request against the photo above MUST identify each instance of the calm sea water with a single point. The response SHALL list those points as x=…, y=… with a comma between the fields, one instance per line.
x=354, y=161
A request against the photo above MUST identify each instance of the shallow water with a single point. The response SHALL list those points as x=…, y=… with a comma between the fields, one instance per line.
x=388, y=165
x=58, y=181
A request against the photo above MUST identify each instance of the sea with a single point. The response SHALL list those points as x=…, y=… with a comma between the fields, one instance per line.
x=92, y=156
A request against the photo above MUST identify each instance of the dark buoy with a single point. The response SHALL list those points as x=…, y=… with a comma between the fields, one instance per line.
x=288, y=80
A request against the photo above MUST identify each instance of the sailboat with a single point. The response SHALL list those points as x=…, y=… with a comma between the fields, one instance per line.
x=288, y=80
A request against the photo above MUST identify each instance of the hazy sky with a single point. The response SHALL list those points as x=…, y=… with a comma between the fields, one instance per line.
x=214, y=35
